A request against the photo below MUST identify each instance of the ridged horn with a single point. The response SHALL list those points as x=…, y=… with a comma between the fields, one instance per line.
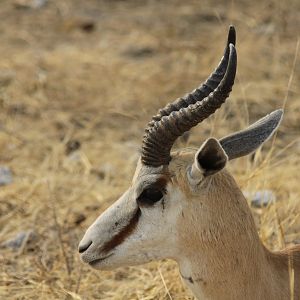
x=160, y=137
x=204, y=89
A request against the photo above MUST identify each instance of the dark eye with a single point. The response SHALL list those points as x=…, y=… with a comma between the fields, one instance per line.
x=149, y=196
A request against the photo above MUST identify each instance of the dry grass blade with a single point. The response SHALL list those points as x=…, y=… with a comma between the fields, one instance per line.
x=164, y=283
x=288, y=90
x=59, y=232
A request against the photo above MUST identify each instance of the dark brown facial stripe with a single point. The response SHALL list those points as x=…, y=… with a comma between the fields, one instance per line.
x=123, y=234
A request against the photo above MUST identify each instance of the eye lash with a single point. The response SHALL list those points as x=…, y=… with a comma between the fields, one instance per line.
x=155, y=187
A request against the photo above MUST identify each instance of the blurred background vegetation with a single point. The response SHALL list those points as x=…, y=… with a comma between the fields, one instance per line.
x=79, y=80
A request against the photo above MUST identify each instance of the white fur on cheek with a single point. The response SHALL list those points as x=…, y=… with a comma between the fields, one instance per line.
x=153, y=237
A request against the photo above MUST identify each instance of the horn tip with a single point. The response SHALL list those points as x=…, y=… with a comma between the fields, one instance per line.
x=231, y=35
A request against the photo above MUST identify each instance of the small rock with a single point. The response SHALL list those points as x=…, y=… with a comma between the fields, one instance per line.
x=88, y=26
x=19, y=240
x=5, y=176
x=261, y=198
x=39, y=3
x=72, y=146
x=30, y=4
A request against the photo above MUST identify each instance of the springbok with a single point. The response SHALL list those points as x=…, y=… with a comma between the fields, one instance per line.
x=187, y=207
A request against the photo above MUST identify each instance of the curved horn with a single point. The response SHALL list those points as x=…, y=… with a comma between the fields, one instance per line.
x=204, y=89
x=159, y=139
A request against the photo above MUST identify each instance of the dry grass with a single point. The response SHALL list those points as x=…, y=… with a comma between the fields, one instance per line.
x=63, y=84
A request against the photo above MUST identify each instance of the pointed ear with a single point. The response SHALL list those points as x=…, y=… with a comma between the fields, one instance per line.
x=209, y=159
x=248, y=140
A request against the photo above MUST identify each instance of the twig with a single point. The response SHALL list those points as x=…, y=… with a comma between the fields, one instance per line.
x=292, y=74
x=287, y=92
x=164, y=283
x=59, y=233
x=79, y=279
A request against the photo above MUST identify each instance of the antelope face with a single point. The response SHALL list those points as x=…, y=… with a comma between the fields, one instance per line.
x=140, y=226
x=147, y=222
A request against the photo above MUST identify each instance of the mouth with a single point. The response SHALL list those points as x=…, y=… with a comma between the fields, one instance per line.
x=96, y=261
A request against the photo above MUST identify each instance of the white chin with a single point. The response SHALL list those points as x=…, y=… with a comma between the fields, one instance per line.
x=114, y=262
x=102, y=265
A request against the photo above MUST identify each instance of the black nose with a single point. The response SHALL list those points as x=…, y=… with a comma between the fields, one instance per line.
x=84, y=246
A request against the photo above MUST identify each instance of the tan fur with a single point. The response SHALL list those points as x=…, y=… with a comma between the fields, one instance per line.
x=204, y=223
x=223, y=255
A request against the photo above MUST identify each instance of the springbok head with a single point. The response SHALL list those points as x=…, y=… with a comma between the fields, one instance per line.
x=155, y=216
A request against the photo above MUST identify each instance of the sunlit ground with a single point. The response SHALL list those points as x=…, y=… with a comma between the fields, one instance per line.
x=78, y=82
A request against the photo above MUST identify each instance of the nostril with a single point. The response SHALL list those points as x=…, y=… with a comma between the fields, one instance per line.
x=85, y=246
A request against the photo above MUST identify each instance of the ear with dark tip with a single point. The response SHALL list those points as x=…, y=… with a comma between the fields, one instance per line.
x=209, y=159
x=248, y=140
